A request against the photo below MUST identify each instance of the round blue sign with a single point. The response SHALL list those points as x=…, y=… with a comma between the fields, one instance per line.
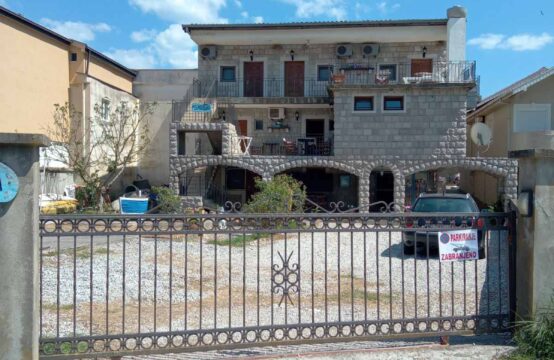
x=9, y=184
x=444, y=238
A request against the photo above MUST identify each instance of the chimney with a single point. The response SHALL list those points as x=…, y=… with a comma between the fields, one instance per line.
x=456, y=33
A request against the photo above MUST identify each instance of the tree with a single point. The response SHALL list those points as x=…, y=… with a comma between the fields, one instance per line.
x=99, y=149
x=282, y=194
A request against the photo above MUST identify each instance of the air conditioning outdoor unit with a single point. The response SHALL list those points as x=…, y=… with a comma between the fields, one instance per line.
x=344, y=50
x=208, y=52
x=276, y=113
x=370, y=49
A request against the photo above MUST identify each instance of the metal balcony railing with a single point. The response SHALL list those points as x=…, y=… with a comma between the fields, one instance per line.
x=272, y=87
x=294, y=147
x=437, y=72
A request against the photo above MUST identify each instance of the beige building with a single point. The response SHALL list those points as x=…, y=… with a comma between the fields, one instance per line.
x=520, y=117
x=43, y=68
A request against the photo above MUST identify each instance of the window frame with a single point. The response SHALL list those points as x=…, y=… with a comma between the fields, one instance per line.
x=357, y=97
x=519, y=108
x=256, y=122
x=222, y=68
x=379, y=68
x=105, y=106
x=324, y=66
x=384, y=100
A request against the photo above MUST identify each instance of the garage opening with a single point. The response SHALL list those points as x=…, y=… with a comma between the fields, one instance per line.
x=325, y=186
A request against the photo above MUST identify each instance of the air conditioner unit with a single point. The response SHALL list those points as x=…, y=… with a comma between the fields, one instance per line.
x=276, y=113
x=208, y=52
x=370, y=49
x=344, y=50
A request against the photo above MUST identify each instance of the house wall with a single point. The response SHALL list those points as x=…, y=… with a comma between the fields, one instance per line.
x=35, y=76
x=433, y=123
x=313, y=55
x=161, y=87
x=103, y=71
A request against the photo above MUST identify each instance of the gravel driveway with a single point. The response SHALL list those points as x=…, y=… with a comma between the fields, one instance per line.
x=351, y=275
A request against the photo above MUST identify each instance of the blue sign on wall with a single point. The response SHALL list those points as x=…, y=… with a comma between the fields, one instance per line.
x=201, y=107
x=9, y=184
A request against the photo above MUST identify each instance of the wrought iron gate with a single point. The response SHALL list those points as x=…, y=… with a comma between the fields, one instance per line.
x=112, y=285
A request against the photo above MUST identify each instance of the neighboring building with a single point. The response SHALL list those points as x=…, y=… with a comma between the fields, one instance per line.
x=359, y=111
x=520, y=117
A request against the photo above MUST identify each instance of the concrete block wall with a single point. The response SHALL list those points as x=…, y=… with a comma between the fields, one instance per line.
x=274, y=57
x=433, y=123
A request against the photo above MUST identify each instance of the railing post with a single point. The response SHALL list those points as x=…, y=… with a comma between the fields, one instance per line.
x=19, y=246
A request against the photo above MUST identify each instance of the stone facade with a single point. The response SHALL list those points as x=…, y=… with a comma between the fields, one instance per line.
x=432, y=123
x=266, y=167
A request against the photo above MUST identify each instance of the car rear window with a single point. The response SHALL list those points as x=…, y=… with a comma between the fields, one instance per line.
x=443, y=205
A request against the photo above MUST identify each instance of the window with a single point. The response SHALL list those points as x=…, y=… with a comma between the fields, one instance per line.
x=388, y=70
x=363, y=103
x=105, y=109
x=259, y=124
x=228, y=74
x=532, y=117
x=324, y=72
x=393, y=103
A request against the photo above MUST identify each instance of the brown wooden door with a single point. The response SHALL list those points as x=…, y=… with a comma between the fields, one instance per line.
x=254, y=79
x=242, y=130
x=421, y=66
x=294, y=78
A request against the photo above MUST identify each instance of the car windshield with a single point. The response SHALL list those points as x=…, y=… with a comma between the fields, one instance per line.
x=443, y=205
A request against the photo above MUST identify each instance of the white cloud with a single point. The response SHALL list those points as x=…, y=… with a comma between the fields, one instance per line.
x=238, y=3
x=519, y=42
x=170, y=48
x=183, y=11
x=133, y=58
x=244, y=14
x=75, y=29
x=258, y=19
x=310, y=8
x=143, y=35
x=384, y=7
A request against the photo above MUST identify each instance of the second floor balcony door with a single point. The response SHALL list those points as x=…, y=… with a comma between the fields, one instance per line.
x=294, y=78
x=254, y=79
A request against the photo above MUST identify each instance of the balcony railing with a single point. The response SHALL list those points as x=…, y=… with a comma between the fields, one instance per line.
x=272, y=87
x=294, y=147
x=436, y=72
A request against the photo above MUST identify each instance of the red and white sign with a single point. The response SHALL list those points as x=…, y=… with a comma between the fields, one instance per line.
x=458, y=245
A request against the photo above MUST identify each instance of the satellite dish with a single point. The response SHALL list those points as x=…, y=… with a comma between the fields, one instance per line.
x=481, y=134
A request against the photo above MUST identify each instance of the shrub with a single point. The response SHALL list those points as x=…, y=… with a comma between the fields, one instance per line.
x=535, y=338
x=283, y=194
x=168, y=201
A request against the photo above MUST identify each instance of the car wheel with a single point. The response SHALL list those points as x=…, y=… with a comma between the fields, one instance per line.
x=409, y=250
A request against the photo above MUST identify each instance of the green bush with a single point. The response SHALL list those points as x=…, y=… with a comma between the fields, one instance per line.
x=535, y=338
x=283, y=194
x=168, y=201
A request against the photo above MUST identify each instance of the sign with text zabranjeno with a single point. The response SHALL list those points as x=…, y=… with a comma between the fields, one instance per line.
x=458, y=245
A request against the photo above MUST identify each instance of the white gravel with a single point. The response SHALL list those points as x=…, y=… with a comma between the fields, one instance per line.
x=396, y=286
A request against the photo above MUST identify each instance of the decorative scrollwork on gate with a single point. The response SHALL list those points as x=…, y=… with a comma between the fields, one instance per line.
x=285, y=278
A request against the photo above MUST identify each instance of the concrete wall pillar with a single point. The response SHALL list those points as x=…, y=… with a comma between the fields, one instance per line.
x=535, y=247
x=456, y=33
x=19, y=249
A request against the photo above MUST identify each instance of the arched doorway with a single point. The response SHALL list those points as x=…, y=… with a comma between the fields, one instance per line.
x=381, y=188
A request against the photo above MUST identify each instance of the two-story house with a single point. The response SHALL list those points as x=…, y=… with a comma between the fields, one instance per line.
x=356, y=110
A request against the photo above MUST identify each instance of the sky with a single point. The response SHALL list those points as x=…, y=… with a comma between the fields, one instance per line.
x=509, y=39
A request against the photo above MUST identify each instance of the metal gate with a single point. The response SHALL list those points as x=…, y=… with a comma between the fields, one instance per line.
x=112, y=285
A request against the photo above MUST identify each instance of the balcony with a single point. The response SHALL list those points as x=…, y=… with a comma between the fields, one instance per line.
x=271, y=88
x=419, y=71
x=303, y=146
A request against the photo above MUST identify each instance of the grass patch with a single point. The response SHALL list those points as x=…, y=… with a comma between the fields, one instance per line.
x=54, y=307
x=82, y=252
x=239, y=240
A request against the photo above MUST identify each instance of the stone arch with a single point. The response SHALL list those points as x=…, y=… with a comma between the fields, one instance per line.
x=398, y=192
x=317, y=162
x=180, y=166
x=504, y=169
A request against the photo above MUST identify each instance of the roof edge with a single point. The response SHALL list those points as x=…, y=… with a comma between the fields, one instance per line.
x=67, y=41
x=315, y=25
